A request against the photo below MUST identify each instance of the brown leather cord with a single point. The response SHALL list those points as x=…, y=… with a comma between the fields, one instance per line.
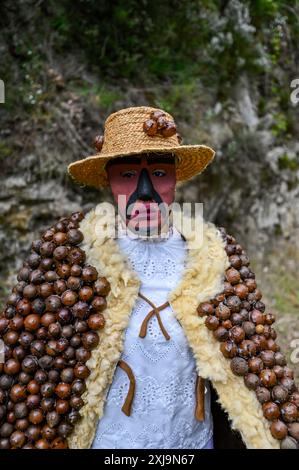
x=155, y=311
x=200, y=399
x=126, y=408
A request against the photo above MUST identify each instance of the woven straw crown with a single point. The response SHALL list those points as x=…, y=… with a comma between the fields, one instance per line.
x=125, y=134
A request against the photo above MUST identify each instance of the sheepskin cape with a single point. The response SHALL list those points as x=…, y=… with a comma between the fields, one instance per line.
x=202, y=280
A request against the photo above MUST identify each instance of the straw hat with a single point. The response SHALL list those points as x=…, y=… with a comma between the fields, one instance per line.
x=136, y=130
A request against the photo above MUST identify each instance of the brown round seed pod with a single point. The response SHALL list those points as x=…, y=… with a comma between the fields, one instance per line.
x=59, y=443
x=212, y=322
x=45, y=362
x=64, y=315
x=278, y=370
x=161, y=122
x=222, y=312
x=16, y=323
x=259, y=329
x=37, y=277
x=102, y=286
x=294, y=430
x=33, y=432
x=73, y=417
x=81, y=371
x=62, y=344
x=29, y=364
x=33, y=387
x=63, y=390
x=239, y=366
x=268, y=358
x=51, y=276
x=294, y=398
x=250, y=284
x=60, y=253
x=269, y=318
x=42, y=444
x=24, y=378
x=59, y=238
x=244, y=273
x=4, y=322
x=73, y=283
x=271, y=410
x=48, y=235
x=82, y=355
x=150, y=127
x=90, y=340
x=260, y=306
x=33, y=401
x=42, y=333
x=47, y=264
x=232, y=276
x=221, y=334
x=279, y=394
x=169, y=130
x=237, y=334
x=19, y=353
x=78, y=387
x=63, y=270
x=47, y=249
x=278, y=429
x=236, y=319
x=30, y=291
x=288, y=383
x=36, y=244
x=36, y=416
x=47, y=404
x=67, y=375
x=247, y=349
x=89, y=274
x=76, y=256
x=23, y=274
x=241, y=291
x=47, y=389
x=288, y=372
x=23, y=307
x=53, y=376
x=249, y=328
x=230, y=249
x=76, y=402
x=203, y=309
x=51, y=348
x=228, y=288
x=272, y=345
x=68, y=331
x=4, y=443
x=234, y=303
x=85, y=293
x=96, y=321
x=59, y=286
x=227, y=324
x=12, y=367
x=235, y=261
x=74, y=236
x=62, y=406
x=69, y=298
x=6, y=430
x=21, y=424
x=257, y=317
x=268, y=378
x=251, y=381
x=288, y=443
x=54, y=330
x=17, y=439
x=47, y=319
x=48, y=433
x=20, y=410
x=40, y=376
x=17, y=393
x=38, y=306
x=289, y=412
x=76, y=270
x=32, y=322
x=75, y=341
x=53, y=303
x=260, y=341
x=279, y=359
x=52, y=418
x=80, y=310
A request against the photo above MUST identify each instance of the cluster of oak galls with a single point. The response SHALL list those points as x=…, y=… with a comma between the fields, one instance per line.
x=49, y=330
x=238, y=320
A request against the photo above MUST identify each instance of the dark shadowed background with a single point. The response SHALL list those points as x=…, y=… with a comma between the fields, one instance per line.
x=223, y=69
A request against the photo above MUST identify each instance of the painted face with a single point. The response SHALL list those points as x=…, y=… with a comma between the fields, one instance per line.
x=143, y=187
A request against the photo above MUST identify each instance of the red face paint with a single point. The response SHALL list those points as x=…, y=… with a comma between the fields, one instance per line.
x=123, y=177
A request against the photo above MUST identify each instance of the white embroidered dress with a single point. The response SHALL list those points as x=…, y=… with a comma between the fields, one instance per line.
x=162, y=413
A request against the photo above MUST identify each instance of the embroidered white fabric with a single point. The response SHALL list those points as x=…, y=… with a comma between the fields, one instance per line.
x=162, y=414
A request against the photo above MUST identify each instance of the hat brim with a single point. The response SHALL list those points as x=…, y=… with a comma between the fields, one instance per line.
x=192, y=160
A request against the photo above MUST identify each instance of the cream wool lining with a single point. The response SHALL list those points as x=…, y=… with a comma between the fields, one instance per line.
x=197, y=285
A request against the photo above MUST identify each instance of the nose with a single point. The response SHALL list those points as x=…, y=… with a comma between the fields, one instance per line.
x=145, y=189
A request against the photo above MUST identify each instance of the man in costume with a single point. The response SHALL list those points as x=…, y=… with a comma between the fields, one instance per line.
x=185, y=356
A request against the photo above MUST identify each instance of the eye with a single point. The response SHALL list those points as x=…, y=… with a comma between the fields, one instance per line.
x=128, y=174
x=159, y=173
